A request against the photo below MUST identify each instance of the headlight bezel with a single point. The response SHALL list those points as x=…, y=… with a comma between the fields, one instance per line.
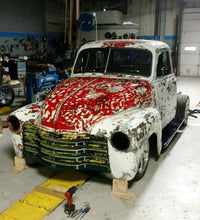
x=13, y=123
x=120, y=141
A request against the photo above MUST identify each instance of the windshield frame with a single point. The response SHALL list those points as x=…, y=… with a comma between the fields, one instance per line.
x=108, y=55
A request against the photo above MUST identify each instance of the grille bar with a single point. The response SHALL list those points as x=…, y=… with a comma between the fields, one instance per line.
x=80, y=151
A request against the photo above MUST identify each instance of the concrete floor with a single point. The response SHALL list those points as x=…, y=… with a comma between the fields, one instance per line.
x=170, y=188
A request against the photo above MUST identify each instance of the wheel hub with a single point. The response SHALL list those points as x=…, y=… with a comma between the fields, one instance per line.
x=144, y=159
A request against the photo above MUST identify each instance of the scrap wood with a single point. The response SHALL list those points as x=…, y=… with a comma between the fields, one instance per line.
x=54, y=191
x=120, y=189
x=50, y=192
x=58, y=189
x=19, y=164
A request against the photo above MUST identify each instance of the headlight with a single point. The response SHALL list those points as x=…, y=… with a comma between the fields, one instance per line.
x=120, y=141
x=13, y=123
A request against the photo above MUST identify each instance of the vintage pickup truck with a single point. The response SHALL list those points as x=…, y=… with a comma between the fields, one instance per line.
x=119, y=105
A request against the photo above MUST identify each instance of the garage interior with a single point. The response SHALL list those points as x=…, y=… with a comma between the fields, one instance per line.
x=38, y=43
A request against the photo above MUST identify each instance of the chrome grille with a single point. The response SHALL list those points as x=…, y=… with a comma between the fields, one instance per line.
x=82, y=151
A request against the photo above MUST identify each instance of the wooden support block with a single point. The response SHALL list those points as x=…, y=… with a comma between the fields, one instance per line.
x=120, y=189
x=19, y=164
x=50, y=192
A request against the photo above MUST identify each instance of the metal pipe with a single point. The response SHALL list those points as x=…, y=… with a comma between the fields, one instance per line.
x=70, y=23
x=162, y=19
x=181, y=8
x=77, y=10
x=175, y=57
x=65, y=30
x=157, y=15
x=77, y=17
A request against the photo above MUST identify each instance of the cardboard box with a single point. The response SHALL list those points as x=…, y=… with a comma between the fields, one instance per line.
x=6, y=78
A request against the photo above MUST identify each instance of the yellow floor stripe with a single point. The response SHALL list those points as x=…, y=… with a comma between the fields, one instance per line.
x=36, y=205
x=5, y=109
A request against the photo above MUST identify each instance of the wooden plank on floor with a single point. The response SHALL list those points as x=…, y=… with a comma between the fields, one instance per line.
x=50, y=192
x=36, y=205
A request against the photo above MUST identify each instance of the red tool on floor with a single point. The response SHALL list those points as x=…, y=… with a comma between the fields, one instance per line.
x=69, y=207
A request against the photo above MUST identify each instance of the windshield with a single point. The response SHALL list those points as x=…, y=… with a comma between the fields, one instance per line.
x=92, y=60
x=115, y=60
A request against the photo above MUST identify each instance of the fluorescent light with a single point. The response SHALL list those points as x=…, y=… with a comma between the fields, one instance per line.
x=130, y=22
x=190, y=48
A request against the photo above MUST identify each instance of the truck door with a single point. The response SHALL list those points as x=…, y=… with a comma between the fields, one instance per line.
x=166, y=88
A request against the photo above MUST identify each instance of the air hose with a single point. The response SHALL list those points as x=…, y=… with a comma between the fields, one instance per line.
x=87, y=22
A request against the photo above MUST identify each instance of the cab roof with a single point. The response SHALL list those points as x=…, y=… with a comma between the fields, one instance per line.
x=126, y=43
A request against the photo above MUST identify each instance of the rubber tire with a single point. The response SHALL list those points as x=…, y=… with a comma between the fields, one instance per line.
x=183, y=106
x=140, y=174
x=8, y=95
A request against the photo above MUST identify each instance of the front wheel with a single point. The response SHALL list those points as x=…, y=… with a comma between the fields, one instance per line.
x=143, y=164
x=6, y=95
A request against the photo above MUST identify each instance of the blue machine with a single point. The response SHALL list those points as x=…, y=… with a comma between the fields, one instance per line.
x=39, y=84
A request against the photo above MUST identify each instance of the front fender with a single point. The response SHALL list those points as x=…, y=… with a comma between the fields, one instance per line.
x=29, y=113
x=138, y=125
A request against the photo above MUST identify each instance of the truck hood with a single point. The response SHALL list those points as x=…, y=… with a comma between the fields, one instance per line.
x=80, y=102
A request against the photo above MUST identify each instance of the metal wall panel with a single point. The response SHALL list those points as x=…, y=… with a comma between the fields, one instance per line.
x=109, y=17
x=22, y=16
x=189, y=71
x=187, y=36
x=189, y=60
x=55, y=16
x=191, y=25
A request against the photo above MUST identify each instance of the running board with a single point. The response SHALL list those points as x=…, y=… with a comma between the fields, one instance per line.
x=170, y=130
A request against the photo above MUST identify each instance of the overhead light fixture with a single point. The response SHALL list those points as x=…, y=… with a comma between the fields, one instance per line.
x=190, y=48
x=129, y=23
x=104, y=7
